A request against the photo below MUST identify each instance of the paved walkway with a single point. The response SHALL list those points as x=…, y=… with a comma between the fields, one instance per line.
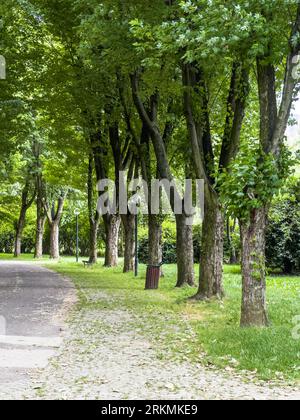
x=33, y=302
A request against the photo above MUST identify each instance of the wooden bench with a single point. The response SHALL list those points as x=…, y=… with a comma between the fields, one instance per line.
x=87, y=264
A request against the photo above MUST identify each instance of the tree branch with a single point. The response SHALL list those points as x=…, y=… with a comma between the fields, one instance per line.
x=290, y=83
x=236, y=103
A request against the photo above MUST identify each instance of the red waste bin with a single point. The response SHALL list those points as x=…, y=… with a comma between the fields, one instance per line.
x=152, y=277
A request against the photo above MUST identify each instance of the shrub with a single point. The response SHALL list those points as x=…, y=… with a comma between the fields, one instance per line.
x=283, y=233
x=169, y=243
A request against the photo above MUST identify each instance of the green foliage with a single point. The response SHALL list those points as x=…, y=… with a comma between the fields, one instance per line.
x=253, y=179
x=283, y=234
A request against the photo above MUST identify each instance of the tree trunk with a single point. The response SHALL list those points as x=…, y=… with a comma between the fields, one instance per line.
x=18, y=243
x=155, y=240
x=40, y=219
x=112, y=227
x=232, y=251
x=54, y=240
x=93, y=243
x=212, y=249
x=254, y=307
x=40, y=227
x=233, y=257
x=19, y=231
x=54, y=218
x=185, y=252
x=94, y=220
x=129, y=233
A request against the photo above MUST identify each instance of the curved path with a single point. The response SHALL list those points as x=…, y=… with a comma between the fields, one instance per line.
x=33, y=303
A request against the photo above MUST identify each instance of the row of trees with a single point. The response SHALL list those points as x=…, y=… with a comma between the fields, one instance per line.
x=194, y=89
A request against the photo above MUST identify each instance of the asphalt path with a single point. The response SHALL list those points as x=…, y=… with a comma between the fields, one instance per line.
x=33, y=306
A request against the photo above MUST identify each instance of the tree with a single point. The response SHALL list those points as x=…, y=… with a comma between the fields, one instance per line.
x=41, y=216
x=26, y=202
x=273, y=124
x=54, y=213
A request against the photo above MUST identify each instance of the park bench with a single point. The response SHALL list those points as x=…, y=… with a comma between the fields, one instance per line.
x=87, y=264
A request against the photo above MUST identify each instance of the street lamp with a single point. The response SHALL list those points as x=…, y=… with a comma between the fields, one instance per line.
x=134, y=205
x=77, y=212
x=136, y=259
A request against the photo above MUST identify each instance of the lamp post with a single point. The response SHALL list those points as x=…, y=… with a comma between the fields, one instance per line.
x=136, y=259
x=134, y=205
x=76, y=212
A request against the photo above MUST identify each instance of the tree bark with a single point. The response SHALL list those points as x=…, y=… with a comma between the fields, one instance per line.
x=25, y=205
x=155, y=240
x=54, y=218
x=112, y=227
x=19, y=233
x=129, y=250
x=232, y=251
x=254, y=307
x=185, y=252
x=211, y=261
x=93, y=243
x=94, y=220
x=54, y=240
x=40, y=218
x=40, y=228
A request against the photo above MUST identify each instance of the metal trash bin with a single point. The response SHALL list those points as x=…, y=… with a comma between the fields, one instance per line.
x=153, y=276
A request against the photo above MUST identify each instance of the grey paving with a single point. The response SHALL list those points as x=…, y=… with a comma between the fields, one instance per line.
x=33, y=302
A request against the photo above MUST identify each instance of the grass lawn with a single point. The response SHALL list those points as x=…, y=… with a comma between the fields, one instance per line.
x=30, y=258
x=204, y=332
x=23, y=257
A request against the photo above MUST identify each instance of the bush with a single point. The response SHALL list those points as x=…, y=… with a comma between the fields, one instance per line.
x=169, y=243
x=283, y=233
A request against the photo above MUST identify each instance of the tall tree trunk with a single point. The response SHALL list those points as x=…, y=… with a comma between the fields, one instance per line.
x=54, y=240
x=155, y=240
x=212, y=249
x=112, y=227
x=185, y=252
x=254, y=307
x=19, y=232
x=54, y=218
x=94, y=220
x=25, y=205
x=233, y=256
x=93, y=243
x=129, y=233
x=232, y=251
x=40, y=219
x=40, y=228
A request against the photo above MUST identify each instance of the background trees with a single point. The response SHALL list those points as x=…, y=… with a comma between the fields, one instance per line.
x=177, y=89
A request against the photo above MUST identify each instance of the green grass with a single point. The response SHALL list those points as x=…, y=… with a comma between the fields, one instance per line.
x=208, y=333
x=23, y=257
x=30, y=258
